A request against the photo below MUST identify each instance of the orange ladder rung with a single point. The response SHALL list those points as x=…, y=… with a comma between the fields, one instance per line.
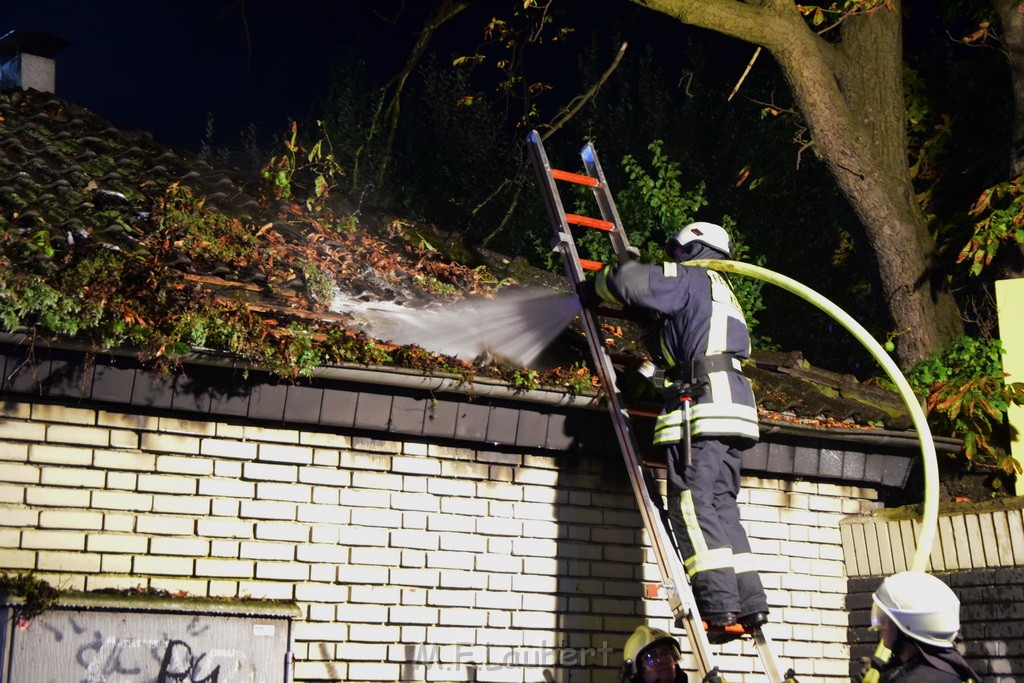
x=587, y=264
x=588, y=222
x=577, y=178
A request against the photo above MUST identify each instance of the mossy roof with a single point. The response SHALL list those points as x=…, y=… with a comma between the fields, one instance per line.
x=111, y=238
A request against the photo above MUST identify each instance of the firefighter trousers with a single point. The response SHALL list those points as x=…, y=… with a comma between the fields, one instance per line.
x=706, y=525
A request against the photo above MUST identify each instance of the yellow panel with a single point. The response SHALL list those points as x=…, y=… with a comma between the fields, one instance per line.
x=1010, y=303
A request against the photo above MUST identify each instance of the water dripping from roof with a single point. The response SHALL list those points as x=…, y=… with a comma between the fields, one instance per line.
x=515, y=326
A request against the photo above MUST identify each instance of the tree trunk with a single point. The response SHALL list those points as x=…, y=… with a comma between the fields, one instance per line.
x=857, y=124
x=851, y=96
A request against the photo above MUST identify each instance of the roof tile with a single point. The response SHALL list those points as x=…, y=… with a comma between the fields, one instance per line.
x=408, y=414
x=152, y=389
x=113, y=384
x=532, y=429
x=471, y=421
x=441, y=418
x=501, y=425
x=303, y=404
x=189, y=395
x=339, y=408
x=373, y=411
x=266, y=402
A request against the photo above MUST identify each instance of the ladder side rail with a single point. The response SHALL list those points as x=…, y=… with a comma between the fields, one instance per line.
x=606, y=373
x=605, y=202
x=553, y=201
x=766, y=651
x=563, y=241
x=655, y=521
x=672, y=571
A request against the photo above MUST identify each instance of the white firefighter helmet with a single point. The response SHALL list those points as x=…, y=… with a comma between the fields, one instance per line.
x=920, y=605
x=708, y=234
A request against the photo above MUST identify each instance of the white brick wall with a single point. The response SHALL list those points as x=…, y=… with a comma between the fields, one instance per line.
x=409, y=561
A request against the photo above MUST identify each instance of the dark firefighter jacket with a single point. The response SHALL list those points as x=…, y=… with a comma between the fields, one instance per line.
x=930, y=665
x=699, y=318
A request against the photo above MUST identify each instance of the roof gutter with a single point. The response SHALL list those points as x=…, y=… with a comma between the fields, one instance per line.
x=876, y=437
x=486, y=387
x=480, y=387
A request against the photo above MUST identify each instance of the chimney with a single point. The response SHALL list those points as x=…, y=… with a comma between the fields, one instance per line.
x=26, y=60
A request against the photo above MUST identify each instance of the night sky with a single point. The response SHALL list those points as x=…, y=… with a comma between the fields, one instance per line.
x=163, y=65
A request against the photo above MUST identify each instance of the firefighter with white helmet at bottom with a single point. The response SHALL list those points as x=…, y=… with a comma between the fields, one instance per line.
x=919, y=618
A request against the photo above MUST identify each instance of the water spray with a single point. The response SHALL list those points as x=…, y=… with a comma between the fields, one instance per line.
x=514, y=327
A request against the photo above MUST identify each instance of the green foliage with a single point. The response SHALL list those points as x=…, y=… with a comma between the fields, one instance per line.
x=347, y=112
x=655, y=202
x=128, y=297
x=314, y=169
x=580, y=380
x=966, y=397
x=653, y=206
x=577, y=379
x=319, y=283
x=748, y=290
x=38, y=595
x=928, y=136
x=1000, y=214
x=301, y=353
x=187, y=226
x=449, y=157
x=827, y=16
x=524, y=379
x=26, y=297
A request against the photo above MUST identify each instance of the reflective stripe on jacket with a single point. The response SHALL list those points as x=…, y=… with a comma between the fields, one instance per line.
x=700, y=317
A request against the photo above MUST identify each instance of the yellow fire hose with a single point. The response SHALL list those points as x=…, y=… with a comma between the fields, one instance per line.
x=929, y=516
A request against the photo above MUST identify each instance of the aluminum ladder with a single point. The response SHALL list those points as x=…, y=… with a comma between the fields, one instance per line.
x=674, y=580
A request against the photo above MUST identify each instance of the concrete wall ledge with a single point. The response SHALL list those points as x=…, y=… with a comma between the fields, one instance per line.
x=128, y=602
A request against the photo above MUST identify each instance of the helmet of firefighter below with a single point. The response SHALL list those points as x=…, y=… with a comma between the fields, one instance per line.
x=920, y=605
x=708, y=234
x=642, y=646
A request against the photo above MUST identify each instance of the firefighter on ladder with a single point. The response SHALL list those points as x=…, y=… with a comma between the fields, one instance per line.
x=709, y=419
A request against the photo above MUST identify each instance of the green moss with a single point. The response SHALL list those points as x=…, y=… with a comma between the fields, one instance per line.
x=38, y=595
x=826, y=390
x=914, y=512
x=319, y=284
x=186, y=225
x=116, y=289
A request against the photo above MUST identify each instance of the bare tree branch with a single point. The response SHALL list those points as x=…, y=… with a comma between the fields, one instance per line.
x=390, y=111
x=743, y=76
x=246, y=35
x=580, y=101
x=570, y=110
